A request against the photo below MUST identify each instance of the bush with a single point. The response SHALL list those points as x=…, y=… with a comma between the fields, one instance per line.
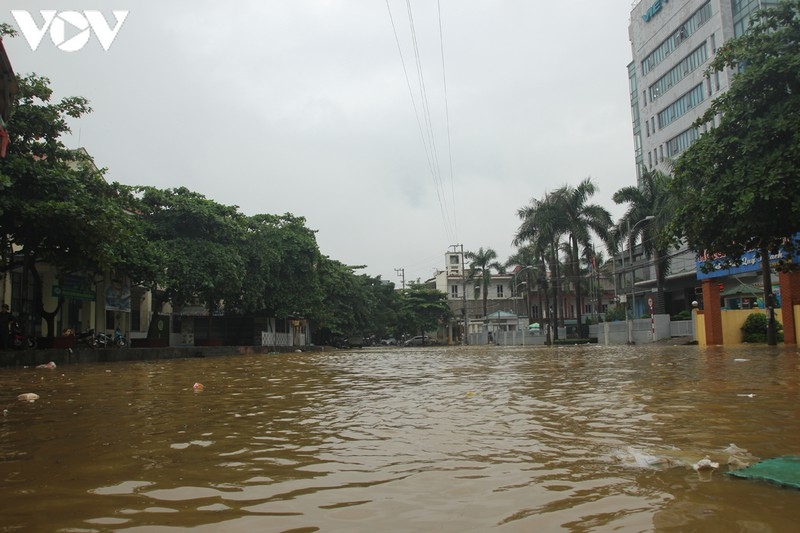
x=755, y=328
x=683, y=315
x=615, y=313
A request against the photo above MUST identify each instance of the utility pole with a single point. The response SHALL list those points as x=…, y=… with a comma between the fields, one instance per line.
x=402, y=273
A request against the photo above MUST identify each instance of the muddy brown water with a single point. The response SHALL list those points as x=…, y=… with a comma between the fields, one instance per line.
x=423, y=439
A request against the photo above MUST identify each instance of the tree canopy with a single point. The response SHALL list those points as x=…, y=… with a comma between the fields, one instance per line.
x=55, y=206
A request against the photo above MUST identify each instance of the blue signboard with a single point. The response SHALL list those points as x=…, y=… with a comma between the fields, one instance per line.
x=749, y=263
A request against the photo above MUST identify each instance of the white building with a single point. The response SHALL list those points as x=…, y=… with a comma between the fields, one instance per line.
x=466, y=299
x=672, y=43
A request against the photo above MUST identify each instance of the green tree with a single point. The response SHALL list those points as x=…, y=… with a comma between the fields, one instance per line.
x=56, y=207
x=354, y=304
x=565, y=213
x=540, y=227
x=652, y=198
x=282, y=275
x=199, y=244
x=578, y=221
x=481, y=264
x=533, y=272
x=738, y=183
x=423, y=309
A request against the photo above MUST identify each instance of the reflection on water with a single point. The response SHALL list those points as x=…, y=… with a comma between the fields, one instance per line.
x=463, y=438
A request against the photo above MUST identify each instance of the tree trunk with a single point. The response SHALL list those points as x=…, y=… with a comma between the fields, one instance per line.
x=660, y=306
x=555, y=274
x=578, y=289
x=48, y=316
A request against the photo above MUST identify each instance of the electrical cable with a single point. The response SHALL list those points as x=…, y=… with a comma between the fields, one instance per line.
x=429, y=143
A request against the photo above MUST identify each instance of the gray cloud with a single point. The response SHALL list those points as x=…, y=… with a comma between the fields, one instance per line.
x=302, y=106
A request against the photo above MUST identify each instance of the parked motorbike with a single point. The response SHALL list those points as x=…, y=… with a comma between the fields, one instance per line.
x=87, y=338
x=19, y=340
x=103, y=339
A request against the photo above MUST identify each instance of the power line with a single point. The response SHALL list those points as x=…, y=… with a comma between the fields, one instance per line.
x=426, y=132
x=447, y=119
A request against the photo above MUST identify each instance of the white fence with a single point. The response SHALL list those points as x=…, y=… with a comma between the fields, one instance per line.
x=269, y=338
x=681, y=328
x=508, y=338
x=642, y=331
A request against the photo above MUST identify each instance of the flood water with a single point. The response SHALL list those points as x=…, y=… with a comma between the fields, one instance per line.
x=418, y=439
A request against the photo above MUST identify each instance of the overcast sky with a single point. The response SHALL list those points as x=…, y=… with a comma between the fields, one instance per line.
x=303, y=106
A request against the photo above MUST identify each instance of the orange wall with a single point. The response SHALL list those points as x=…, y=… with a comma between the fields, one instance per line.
x=732, y=322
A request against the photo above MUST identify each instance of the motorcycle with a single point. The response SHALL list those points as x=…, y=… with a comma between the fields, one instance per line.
x=19, y=340
x=103, y=339
x=87, y=338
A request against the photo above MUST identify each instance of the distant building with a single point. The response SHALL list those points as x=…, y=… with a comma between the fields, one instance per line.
x=510, y=305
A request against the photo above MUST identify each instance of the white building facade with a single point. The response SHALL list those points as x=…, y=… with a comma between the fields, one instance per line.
x=672, y=44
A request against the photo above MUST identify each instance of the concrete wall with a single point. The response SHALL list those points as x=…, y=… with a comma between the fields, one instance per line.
x=732, y=322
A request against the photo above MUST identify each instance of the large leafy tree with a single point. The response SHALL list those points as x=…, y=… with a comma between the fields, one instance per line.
x=55, y=206
x=481, y=265
x=353, y=304
x=739, y=183
x=651, y=198
x=282, y=274
x=423, y=309
x=198, y=242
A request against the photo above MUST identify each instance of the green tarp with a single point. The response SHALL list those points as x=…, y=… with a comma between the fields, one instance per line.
x=784, y=471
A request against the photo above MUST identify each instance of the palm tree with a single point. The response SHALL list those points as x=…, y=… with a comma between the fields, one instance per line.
x=540, y=227
x=578, y=221
x=526, y=259
x=481, y=264
x=650, y=198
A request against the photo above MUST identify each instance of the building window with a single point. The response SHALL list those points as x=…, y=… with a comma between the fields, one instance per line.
x=454, y=291
x=534, y=311
x=681, y=106
x=682, y=141
x=689, y=64
x=668, y=45
x=499, y=291
x=454, y=260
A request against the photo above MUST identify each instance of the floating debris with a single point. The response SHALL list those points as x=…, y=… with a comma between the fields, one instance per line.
x=51, y=365
x=197, y=387
x=705, y=464
x=28, y=397
x=739, y=457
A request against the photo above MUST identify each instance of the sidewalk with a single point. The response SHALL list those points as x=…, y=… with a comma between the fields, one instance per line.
x=62, y=356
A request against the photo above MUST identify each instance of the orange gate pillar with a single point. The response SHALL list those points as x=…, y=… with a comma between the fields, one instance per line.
x=790, y=296
x=712, y=310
